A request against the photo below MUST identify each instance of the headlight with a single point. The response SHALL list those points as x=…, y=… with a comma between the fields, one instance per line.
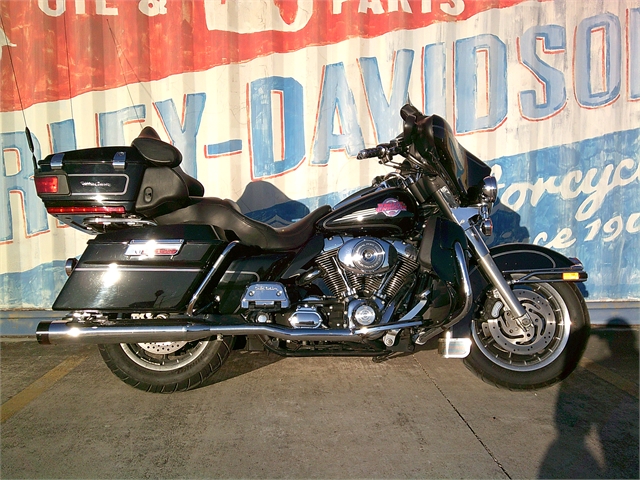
x=489, y=189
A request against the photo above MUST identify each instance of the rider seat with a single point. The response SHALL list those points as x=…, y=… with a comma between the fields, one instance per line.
x=182, y=202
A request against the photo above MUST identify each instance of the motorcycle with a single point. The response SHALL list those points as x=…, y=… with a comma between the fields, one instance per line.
x=172, y=278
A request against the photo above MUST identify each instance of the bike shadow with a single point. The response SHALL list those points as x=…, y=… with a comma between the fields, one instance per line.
x=596, y=414
x=241, y=362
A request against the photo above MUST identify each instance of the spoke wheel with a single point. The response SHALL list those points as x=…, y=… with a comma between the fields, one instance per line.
x=535, y=352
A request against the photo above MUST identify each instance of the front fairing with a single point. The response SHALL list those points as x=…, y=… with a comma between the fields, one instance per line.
x=435, y=142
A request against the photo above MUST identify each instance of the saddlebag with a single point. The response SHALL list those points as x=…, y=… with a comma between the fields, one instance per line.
x=153, y=269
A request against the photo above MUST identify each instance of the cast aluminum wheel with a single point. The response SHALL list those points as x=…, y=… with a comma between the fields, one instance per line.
x=167, y=367
x=516, y=346
x=164, y=356
x=533, y=352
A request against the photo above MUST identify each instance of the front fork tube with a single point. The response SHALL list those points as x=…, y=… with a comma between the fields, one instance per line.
x=493, y=274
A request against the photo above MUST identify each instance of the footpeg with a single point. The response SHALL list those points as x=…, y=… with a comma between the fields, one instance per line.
x=450, y=347
x=390, y=338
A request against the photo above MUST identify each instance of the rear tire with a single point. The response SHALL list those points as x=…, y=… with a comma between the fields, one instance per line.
x=508, y=356
x=166, y=367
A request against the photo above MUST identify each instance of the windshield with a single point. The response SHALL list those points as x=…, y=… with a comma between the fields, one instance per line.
x=435, y=141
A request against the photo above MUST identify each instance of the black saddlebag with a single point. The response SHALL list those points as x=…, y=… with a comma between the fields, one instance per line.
x=153, y=269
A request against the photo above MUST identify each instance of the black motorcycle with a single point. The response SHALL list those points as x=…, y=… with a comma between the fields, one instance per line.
x=173, y=278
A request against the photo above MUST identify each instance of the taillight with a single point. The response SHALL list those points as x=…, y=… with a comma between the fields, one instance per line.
x=80, y=210
x=46, y=184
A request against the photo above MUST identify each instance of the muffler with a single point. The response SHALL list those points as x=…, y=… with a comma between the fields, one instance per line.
x=60, y=332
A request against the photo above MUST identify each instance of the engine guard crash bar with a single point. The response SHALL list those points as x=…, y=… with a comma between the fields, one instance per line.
x=62, y=332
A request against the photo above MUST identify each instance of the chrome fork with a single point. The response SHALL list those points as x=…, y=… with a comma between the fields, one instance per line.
x=464, y=216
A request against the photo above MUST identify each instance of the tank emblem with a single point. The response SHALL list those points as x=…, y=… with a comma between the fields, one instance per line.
x=391, y=207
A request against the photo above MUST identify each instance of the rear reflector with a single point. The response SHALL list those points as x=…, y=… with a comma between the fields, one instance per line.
x=80, y=210
x=46, y=184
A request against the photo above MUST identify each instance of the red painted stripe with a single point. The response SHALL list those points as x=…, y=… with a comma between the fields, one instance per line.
x=60, y=57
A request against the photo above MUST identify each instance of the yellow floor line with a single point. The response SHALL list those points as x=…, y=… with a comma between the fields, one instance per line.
x=37, y=388
x=609, y=376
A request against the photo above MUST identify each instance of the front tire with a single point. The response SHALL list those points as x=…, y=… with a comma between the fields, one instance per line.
x=519, y=357
x=166, y=367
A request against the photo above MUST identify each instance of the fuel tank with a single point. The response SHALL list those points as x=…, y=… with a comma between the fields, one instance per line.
x=391, y=211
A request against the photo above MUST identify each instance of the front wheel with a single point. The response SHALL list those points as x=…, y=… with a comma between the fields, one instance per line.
x=167, y=367
x=521, y=356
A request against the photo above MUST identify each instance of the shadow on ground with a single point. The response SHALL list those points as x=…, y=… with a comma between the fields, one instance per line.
x=597, y=428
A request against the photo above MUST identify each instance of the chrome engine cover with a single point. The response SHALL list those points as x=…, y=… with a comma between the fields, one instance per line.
x=306, y=317
x=349, y=269
x=367, y=256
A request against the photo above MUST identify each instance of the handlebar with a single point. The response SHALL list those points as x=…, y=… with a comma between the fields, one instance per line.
x=382, y=151
x=378, y=151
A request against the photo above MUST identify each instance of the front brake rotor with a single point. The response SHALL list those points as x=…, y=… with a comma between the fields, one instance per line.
x=510, y=336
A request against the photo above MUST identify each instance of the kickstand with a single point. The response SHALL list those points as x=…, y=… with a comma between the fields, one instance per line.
x=382, y=357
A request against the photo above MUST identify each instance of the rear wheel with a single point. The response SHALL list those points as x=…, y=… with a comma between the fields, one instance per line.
x=521, y=356
x=167, y=367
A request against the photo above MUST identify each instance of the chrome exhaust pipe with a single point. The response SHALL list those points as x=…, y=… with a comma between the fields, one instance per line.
x=61, y=332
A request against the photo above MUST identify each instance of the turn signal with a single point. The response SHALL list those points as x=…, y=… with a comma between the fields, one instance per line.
x=570, y=276
x=487, y=227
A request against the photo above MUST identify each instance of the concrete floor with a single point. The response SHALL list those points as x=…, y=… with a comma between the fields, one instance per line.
x=64, y=415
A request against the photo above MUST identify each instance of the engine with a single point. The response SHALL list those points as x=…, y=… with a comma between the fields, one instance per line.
x=364, y=274
x=365, y=266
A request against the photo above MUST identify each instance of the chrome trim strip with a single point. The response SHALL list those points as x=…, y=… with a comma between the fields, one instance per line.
x=135, y=269
x=109, y=220
x=123, y=192
x=150, y=248
x=420, y=307
x=360, y=214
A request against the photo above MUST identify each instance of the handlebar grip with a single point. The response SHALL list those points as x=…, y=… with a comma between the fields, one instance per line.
x=371, y=153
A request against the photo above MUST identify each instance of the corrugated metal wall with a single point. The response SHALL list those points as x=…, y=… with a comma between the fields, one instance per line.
x=270, y=100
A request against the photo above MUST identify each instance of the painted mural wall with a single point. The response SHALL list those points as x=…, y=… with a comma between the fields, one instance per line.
x=270, y=100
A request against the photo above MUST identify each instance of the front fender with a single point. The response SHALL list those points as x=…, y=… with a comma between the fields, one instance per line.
x=529, y=263
x=511, y=257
